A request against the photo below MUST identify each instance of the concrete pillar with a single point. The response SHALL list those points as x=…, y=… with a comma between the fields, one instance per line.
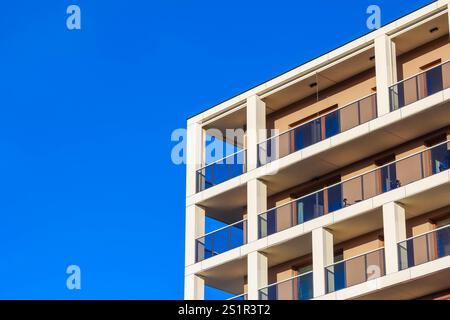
x=257, y=269
x=194, y=156
x=195, y=227
x=256, y=129
x=394, y=225
x=386, y=71
x=256, y=203
x=323, y=256
x=194, y=287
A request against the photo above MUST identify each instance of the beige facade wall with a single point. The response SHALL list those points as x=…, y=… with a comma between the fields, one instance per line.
x=362, y=244
x=288, y=269
x=357, y=169
x=410, y=63
x=425, y=222
x=286, y=196
x=341, y=94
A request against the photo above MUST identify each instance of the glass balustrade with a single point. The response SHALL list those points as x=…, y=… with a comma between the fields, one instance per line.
x=355, y=270
x=221, y=170
x=241, y=297
x=221, y=240
x=370, y=184
x=296, y=288
x=420, y=86
x=317, y=130
x=424, y=248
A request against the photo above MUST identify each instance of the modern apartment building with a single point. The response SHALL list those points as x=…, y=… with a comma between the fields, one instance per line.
x=340, y=187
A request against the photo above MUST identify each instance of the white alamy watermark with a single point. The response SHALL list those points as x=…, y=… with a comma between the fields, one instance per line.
x=373, y=272
x=374, y=20
x=226, y=147
x=73, y=21
x=73, y=281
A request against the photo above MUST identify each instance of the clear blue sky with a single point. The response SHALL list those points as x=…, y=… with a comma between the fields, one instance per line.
x=86, y=117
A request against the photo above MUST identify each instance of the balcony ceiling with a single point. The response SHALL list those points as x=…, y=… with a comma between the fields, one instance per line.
x=234, y=120
x=227, y=277
x=427, y=201
x=421, y=35
x=360, y=225
x=228, y=206
x=325, y=79
x=289, y=250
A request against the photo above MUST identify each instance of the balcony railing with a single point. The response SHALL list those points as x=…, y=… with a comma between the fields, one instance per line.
x=318, y=129
x=221, y=170
x=241, y=297
x=355, y=270
x=296, y=288
x=420, y=86
x=370, y=184
x=424, y=248
x=221, y=240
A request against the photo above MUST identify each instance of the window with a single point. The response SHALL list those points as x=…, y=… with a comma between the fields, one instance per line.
x=338, y=255
x=315, y=115
x=334, y=198
x=304, y=269
x=315, y=128
x=305, y=282
x=439, y=159
x=388, y=173
x=442, y=237
x=433, y=81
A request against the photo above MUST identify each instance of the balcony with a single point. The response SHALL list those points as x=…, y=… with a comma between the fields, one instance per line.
x=420, y=86
x=221, y=240
x=365, y=186
x=296, y=288
x=355, y=270
x=424, y=248
x=318, y=129
x=221, y=170
x=402, y=94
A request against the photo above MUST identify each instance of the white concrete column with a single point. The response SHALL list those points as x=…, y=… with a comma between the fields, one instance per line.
x=386, y=71
x=323, y=256
x=256, y=129
x=257, y=269
x=448, y=13
x=256, y=203
x=195, y=227
x=194, y=156
x=194, y=287
x=394, y=224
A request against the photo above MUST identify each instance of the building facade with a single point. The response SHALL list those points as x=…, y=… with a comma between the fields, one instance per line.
x=339, y=186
